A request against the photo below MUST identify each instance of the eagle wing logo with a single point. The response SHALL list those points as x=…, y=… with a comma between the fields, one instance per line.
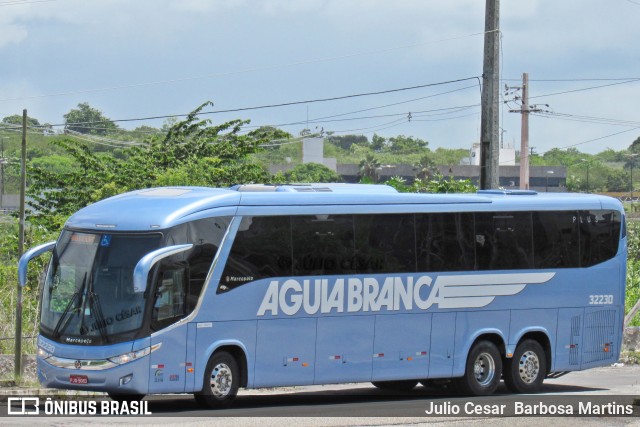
x=476, y=291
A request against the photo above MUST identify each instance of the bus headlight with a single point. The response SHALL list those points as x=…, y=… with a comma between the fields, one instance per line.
x=43, y=354
x=134, y=355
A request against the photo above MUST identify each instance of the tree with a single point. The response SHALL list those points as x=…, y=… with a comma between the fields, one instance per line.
x=369, y=167
x=449, y=157
x=270, y=133
x=311, y=172
x=86, y=119
x=346, y=141
x=16, y=120
x=193, y=152
x=426, y=167
x=378, y=143
x=407, y=145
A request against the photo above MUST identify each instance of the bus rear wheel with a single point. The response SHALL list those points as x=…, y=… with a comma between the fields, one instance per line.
x=401, y=385
x=482, y=371
x=221, y=382
x=526, y=370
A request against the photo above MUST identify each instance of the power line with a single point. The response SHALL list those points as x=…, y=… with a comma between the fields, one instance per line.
x=574, y=79
x=586, y=88
x=587, y=119
x=18, y=3
x=437, y=111
x=599, y=138
x=284, y=104
x=321, y=119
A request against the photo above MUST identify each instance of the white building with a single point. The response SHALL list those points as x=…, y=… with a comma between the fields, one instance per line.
x=507, y=156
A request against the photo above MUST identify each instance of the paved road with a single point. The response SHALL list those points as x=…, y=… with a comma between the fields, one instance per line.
x=362, y=404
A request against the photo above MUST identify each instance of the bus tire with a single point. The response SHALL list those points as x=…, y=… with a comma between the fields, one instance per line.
x=526, y=370
x=483, y=370
x=401, y=385
x=221, y=382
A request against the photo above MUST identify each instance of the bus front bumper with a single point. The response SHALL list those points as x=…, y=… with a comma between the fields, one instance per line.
x=94, y=375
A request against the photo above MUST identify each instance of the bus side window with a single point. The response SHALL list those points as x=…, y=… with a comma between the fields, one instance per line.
x=599, y=236
x=323, y=244
x=261, y=249
x=169, y=299
x=503, y=240
x=445, y=242
x=385, y=244
x=556, y=239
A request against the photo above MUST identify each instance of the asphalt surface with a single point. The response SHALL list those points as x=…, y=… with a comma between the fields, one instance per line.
x=364, y=405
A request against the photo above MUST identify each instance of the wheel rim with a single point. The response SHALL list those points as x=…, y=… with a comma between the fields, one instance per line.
x=484, y=369
x=529, y=367
x=221, y=380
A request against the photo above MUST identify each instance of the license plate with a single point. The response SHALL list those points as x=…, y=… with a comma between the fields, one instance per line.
x=79, y=379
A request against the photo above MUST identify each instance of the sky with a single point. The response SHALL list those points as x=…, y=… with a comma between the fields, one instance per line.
x=148, y=58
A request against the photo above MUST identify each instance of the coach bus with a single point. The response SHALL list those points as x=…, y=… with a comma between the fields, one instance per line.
x=205, y=291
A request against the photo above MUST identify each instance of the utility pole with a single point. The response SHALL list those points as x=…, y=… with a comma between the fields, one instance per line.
x=489, y=127
x=23, y=187
x=524, y=110
x=524, y=134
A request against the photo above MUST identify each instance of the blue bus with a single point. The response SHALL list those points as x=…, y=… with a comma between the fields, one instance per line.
x=205, y=291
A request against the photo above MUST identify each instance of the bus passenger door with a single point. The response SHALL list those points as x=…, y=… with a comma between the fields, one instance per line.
x=443, y=332
x=344, y=349
x=168, y=362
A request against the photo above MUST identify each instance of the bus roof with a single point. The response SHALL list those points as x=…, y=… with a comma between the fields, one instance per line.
x=164, y=207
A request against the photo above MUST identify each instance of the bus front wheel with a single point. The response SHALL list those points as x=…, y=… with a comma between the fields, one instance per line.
x=483, y=370
x=526, y=370
x=221, y=382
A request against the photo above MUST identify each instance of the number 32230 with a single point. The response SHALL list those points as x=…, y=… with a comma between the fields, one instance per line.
x=600, y=299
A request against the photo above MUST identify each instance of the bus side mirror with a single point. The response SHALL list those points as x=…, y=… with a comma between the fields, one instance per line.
x=23, y=264
x=144, y=266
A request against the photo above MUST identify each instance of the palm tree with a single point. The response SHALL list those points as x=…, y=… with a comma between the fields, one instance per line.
x=426, y=168
x=369, y=167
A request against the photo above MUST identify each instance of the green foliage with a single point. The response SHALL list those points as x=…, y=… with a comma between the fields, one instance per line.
x=407, y=145
x=399, y=183
x=55, y=164
x=449, y=157
x=270, y=133
x=193, y=152
x=9, y=281
x=633, y=289
x=441, y=184
x=86, y=119
x=378, y=143
x=16, y=119
x=311, y=172
x=369, y=167
x=346, y=141
x=633, y=269
x=426, y=167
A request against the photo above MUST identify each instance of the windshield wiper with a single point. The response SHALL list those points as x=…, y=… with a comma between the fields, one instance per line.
x=94, y=306
x=57, y=331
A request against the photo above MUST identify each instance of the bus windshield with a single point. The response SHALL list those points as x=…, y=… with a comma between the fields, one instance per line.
x=88, y=296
